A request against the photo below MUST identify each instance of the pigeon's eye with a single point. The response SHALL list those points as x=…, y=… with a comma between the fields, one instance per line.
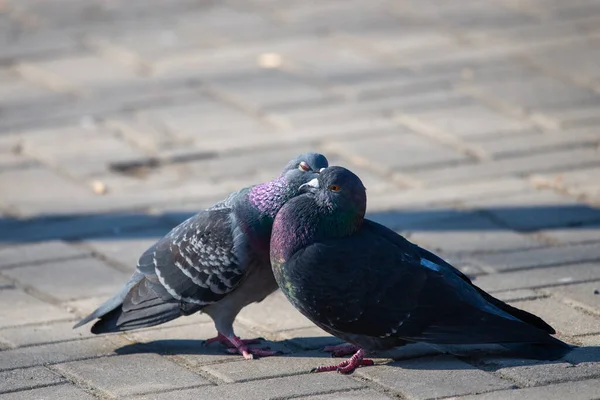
x=303, y=166
x=334, y=188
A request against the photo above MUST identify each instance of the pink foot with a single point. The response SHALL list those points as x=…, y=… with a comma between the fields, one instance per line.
x=238, y=346
x=348, y=366
x=341, y=350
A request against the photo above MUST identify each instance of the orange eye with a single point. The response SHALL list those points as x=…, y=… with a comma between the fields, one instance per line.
x=304, y=166
x=334, y=188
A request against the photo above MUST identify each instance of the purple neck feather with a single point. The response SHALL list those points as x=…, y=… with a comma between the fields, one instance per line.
x=270, y=196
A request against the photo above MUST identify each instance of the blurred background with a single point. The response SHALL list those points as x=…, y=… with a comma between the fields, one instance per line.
x=474, y=125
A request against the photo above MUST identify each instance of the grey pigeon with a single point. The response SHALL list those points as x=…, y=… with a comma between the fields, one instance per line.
x=369, y=286
x=216, y=262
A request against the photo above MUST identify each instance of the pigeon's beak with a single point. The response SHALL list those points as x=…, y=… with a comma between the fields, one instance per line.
x=310, y=186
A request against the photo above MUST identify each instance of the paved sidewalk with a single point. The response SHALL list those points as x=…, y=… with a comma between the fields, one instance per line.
x=475, y=126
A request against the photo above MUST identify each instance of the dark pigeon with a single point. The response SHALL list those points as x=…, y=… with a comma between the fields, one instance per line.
x=216, y=262
x=369, y=286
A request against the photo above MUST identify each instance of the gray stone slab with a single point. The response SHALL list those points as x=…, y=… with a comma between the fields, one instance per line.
x=19, y=308
x=584, y=294
x=27, y=378
x=59, y=352
x=131, y=374
x=539, y=258
x=59, y=392
x=353, y=395
x=71, y=279
x=563, y=318
x=38, y=253
x=265, y=389
x=574, y=234
x=43, y=333
x=275, y=313
x=539, y=277
x=579, y=390
x=434, y=377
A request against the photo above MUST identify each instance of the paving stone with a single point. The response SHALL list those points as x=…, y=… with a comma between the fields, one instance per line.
x=355, y=394
x=266, y=389
x=574, y=234
x=428, y=378
x=269, y=367
x=468, y=234
x=584, y=294
x=539, y=277
x=59, y=392
x=563, y=318
x=579, y=390
x=516, y=295
x=556, y=160
x=126, y=251
x=71, y=279
x=310, y=338
x=589, y=353
x=33, y=196
x=539, y=258
x=37, y=253
x=19, y=308
x=132, y=374
x=580, y=182
x=275, y=313
x=59, y=352
x=70, y=158
x=473, y=121
x=399, y=151
x=536, y=373
x=41, y=334
x=27, y=378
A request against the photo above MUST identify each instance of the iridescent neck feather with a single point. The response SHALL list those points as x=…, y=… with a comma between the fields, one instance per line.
x=270, y=196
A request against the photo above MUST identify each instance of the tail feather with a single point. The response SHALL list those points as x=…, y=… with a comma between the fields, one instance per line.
x=114, y=302
x=141, y=303
x=550, y=349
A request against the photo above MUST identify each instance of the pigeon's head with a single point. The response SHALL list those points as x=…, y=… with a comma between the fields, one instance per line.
x=304, y=168
x=339, y=193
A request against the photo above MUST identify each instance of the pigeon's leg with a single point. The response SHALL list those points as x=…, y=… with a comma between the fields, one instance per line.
x=246, y=352
x=348, y=366
x=220, y=338
x=341, y=350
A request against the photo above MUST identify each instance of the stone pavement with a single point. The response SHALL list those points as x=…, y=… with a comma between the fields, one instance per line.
x=475, y=126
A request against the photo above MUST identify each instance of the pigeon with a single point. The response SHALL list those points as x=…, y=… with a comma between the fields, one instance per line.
x=368, y=285
x=216, y=262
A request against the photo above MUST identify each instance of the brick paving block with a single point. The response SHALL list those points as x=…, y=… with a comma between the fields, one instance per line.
x=33, y=197
x=474, y=122
x=538, y=210
x=588, y=353
x=58, y=392
x=400, y=150
x=125, y=251
x=355, y=394
x=269, y=87
x=515, y=295
x=37, y=253
x=448, y=194
x=310, y=338
x=60, y=352
x=579, y=390
x=584, y=294
x=563, y=318
x=539, y=258
x=44, y=333
x=269, y=367
x=276, y=388
x=27, y=378
x=581, y=182
x=515, y=166
x=434, y=377
x=71, y=279
x=70, y=157
x=18, y=308
x=576, y=59
x=468, y=234
x=537, y=373
x=132, y=374
x=574, y=234
x=275, y=313
x=539, y=277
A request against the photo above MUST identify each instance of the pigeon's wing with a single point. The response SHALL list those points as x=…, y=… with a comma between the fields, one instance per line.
x=200, y=261
x=368, y=285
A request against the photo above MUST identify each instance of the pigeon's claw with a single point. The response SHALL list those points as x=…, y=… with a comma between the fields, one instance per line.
x=348, y=366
